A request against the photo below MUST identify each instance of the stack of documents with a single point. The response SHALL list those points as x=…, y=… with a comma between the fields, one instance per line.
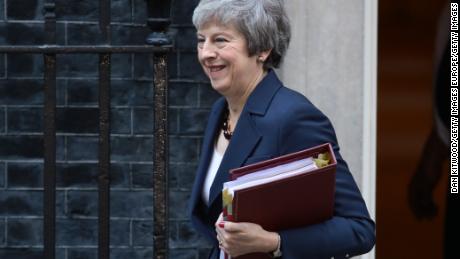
x=286, y=192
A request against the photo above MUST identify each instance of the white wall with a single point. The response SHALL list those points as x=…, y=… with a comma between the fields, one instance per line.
x=332, y=60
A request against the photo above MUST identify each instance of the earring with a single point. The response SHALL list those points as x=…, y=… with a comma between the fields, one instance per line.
x=261, y=59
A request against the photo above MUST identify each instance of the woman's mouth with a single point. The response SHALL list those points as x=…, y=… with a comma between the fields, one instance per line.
x=216, y=68
x=216, y=72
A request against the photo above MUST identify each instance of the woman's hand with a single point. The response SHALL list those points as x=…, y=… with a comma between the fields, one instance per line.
x=242, y=238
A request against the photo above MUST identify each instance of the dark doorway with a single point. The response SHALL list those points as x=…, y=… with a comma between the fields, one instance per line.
x=407, y=30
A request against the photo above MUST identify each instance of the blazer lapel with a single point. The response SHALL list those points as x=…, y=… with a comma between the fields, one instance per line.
x=206, y=151
x=246, y=136
x=243, y=141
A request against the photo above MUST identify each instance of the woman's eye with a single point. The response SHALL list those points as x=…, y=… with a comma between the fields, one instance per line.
x=221, y=42
x=200, y=43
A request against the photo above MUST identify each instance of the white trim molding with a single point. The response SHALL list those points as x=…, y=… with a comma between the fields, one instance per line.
x=369, y=178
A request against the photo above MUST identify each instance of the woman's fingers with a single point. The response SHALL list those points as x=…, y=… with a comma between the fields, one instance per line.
x=219, y=220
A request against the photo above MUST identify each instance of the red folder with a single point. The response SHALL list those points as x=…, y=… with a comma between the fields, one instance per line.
x=297, y=201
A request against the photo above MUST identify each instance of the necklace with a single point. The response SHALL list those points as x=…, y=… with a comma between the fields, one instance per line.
x=226, y=125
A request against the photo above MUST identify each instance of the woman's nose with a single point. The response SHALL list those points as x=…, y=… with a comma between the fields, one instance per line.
x=208, y=50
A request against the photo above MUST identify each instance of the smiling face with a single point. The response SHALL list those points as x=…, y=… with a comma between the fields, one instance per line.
x=223, y=54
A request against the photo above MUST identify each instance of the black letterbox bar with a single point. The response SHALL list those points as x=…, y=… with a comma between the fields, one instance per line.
x=160, y=157
x=56, y=49
x=104, y=135
x=49, y=195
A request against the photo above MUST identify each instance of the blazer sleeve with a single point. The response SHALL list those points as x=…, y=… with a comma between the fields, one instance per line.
x=351, y=231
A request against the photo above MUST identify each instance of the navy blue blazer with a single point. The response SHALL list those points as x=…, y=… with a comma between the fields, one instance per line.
x=277, y=121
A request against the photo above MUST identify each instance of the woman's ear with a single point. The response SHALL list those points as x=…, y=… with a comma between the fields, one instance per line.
x=262, y=56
